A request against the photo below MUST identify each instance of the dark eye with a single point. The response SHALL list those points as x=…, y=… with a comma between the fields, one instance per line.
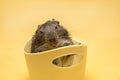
x=56, y=27
x=41, y=31
x=64, y=34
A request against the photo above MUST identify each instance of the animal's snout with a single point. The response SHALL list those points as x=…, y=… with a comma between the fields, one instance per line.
x=51, y=37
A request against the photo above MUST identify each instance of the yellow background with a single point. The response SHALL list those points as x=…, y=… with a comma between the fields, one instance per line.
x=96, y=23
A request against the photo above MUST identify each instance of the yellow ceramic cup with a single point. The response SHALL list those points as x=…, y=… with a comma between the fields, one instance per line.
x=40, y=64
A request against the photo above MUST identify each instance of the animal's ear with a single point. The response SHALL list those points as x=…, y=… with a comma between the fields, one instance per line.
x=39, y=26
x=53, y=19
x=57, y=22
x=40, y=32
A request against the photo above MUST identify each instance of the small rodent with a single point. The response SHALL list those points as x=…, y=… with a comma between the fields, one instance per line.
x=51, y=35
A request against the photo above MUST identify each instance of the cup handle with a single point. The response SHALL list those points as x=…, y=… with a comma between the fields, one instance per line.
x=79, y=50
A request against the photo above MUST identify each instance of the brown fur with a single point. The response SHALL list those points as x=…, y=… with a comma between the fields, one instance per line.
x=52, y=35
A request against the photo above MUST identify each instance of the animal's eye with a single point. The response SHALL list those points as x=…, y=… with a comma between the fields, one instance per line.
x=64, y=34
x=56, y=27
x=41, y=31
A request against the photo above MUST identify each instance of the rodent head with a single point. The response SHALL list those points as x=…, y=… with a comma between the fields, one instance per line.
x=53, y=33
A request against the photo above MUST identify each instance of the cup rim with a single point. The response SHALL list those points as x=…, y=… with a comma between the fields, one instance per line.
x=59, y=48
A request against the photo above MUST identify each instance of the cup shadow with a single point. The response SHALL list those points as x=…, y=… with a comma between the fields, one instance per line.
x=89, y=77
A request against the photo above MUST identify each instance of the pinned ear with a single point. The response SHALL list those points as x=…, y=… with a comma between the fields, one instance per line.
x=53, y=19
x=39, y=32
x=40, y=29
x=57, y=22
x=39, y=26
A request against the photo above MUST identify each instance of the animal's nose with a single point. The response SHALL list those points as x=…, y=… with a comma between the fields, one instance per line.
x=51, y=37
